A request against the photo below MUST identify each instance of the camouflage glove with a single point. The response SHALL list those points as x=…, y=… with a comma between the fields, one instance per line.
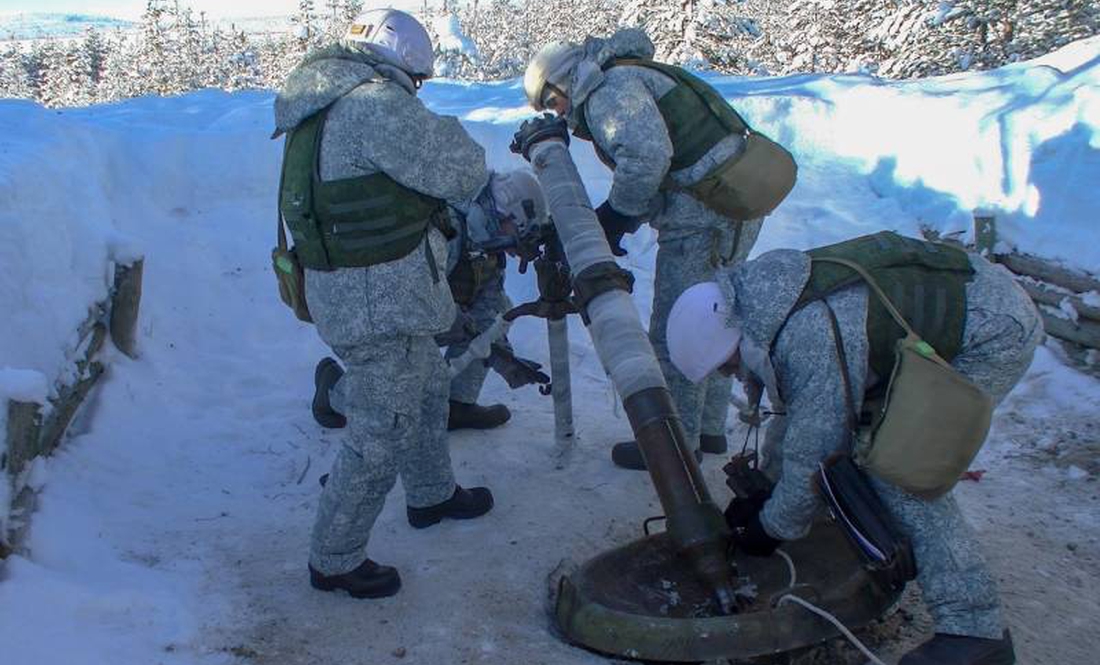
x=517, y=372
x=545, y=127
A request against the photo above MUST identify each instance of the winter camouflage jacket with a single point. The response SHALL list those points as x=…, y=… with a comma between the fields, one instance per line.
x=376, y=123
x=803, y=374
x=620, y=107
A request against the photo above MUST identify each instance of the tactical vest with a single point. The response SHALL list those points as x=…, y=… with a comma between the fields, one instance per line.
x=746, y=185
x=696, y=115
x=925, y=281
x=351, y=222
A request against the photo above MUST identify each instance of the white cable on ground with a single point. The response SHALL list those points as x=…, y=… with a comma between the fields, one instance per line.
x=822, y=613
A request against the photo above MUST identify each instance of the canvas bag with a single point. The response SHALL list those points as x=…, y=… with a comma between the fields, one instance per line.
x=290, y=277
x=932, y=420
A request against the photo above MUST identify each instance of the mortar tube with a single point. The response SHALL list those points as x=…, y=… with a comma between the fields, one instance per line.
x=695, y=525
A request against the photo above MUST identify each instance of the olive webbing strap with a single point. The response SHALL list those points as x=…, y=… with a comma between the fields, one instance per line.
x=849, y=399
x=894, y=313
x=279, y=202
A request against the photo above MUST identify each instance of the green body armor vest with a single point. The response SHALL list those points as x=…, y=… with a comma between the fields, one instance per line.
x=350, y=222
x=696, y=115
x=748, y=184
x=925, y=281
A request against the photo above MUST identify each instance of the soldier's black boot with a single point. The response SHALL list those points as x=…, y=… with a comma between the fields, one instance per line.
x=959, y=650
x=326, y=375
x=464, y=504
x=369, y=580
x=627, y=455
x=715, y=444
x=475, y=416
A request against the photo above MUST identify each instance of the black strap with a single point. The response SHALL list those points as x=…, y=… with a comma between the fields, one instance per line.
x=849, y=400
x=597, y=279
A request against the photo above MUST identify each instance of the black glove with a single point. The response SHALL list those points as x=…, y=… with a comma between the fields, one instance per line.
x=741, y=511
x=615, y=226
x=753, y=540
x=543, y=309
x=517, y=372
x=536, y=130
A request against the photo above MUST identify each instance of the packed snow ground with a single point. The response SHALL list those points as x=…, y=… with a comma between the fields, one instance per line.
x=173, y=525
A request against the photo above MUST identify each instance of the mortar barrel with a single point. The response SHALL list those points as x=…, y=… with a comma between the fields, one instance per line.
x=695, y=524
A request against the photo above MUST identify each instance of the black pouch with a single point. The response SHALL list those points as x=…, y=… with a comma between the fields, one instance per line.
x=859, y=511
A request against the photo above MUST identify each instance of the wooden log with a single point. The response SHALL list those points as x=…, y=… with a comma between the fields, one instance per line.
x=1084, y=332
x=1045, y=295
x=125, y=303
x=1045, y=271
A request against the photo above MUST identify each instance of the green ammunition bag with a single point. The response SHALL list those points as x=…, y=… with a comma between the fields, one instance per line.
x=931, y=422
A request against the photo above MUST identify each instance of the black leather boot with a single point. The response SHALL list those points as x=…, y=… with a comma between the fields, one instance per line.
x=464, y=504
x=369, y=580
x=715, y=444
x=326, y=375
x=474, y=416
x=960, y=650
x=627, y=455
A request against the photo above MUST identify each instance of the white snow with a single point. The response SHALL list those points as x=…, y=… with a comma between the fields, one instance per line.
x=172, y=525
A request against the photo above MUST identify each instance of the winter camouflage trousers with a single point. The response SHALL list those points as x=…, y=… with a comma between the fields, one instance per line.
x=395, y=399
x=489, y=301
x=682, y=263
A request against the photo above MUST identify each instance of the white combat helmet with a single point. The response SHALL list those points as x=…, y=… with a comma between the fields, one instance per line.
x=519, y=195
x=700, y=339
x=553, y=63
x=397, y=37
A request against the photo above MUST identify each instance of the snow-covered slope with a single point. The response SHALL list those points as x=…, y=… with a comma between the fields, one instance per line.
x=173, y=524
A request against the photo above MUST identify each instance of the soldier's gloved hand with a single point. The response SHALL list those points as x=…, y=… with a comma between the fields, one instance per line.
x=615, y=225
x=753, y=540
x=463, y=329
x=543, y=128
x=517, y=372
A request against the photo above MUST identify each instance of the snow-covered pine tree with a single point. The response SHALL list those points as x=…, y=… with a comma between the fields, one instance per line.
x=14, y=79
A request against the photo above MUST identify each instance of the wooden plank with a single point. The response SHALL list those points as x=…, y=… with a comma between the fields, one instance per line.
x=1041, y=293
x=24, y=426
x=1046, y=271
x=125, y=303
x=71, y=397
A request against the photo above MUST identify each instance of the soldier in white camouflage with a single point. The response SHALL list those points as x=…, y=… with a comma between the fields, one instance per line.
x=510, y=208
x=763, y=322
x=369, y=232
x=508, y=217
x=617, y=107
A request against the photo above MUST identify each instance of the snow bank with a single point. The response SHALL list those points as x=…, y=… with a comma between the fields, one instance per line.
x=1022, y=141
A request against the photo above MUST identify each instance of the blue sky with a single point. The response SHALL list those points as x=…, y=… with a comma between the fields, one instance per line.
x=213, y=8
